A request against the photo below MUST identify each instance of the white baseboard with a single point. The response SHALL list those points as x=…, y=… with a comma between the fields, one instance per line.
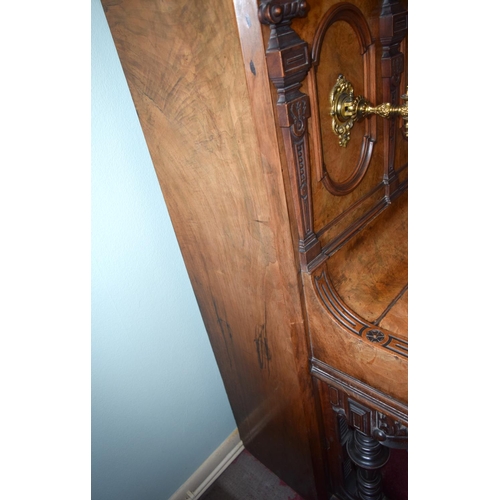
x=210, y=469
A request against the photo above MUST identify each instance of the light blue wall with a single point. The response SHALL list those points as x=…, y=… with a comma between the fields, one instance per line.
x=159, y=408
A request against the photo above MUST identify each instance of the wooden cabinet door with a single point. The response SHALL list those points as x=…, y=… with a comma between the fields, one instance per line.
x=349, y=200
x=349, y=193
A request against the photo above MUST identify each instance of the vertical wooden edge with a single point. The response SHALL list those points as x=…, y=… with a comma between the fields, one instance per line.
x=316, y=149
x=263, y=113
x=319, y=389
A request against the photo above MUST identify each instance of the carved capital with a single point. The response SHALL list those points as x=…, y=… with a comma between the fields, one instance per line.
x=279, y=11
x=294, y=115
x=393, y=22
x=389, y=431
x=364, y=414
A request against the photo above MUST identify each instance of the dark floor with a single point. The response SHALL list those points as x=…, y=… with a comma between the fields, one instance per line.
x=247, y=479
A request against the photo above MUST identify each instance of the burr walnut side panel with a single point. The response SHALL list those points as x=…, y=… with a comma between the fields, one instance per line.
x=184, y=66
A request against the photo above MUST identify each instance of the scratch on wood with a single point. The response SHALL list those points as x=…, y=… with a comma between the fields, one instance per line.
x=263, y=352
x=153, y=102
x=224, y=328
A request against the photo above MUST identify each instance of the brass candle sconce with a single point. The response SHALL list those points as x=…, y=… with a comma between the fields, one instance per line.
x=346, y=110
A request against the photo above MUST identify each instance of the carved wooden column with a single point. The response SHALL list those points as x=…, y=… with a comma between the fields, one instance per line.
x=288, y=62
x=369, y=456
x=393, y=29
x=361, y=425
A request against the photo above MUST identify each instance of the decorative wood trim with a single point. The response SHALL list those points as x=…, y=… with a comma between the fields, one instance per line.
x=352, y=322
x=354, y=228
x=288, y=63
x=274, y=12
x=342, y=477
x=348, y=395
x=354, y=17
x=369, y=457
x=350, y=410
x=393, y=24
x=391, y=305
x=336, y=220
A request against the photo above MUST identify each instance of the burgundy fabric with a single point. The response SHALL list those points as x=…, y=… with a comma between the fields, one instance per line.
x=395, y=475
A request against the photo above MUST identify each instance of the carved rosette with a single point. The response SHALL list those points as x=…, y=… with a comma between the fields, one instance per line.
x=351, y=321
x=375, y=336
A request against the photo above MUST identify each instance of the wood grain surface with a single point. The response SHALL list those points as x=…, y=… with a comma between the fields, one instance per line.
x=184, y=66
x=363, y=232
x=242, y=169
x=371, y=270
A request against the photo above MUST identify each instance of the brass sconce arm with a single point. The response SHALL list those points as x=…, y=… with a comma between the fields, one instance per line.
x=346, y=110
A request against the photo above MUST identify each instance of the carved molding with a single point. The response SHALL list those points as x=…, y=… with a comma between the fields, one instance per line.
x=352, y=409
x=354, y=17
x=279, y=11
x=388, y=428
x=352, y=322
x=299, y=113
x=288, y=62
x=365, y=409
x=393, y=22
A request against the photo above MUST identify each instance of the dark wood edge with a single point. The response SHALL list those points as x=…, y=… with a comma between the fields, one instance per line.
x=393, y=28
x=359, y=390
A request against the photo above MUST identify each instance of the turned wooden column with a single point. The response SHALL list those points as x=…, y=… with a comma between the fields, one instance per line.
x=361, y=425
x=369, y=456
